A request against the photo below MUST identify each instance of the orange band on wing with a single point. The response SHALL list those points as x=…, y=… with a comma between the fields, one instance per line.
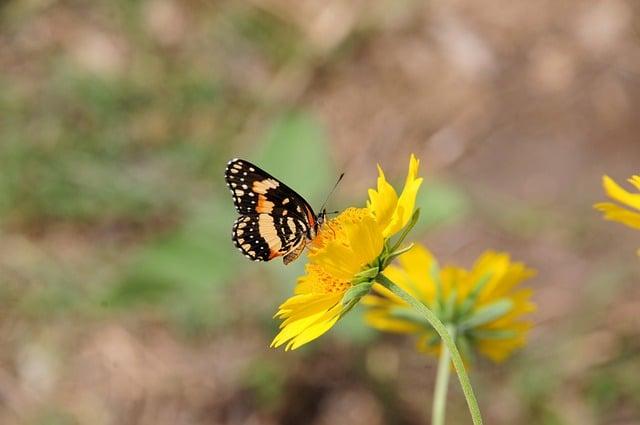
x=311, y=218
x=264, y=206
x=274, y=253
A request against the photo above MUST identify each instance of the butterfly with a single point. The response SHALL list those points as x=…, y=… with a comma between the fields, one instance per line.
x=274, y=220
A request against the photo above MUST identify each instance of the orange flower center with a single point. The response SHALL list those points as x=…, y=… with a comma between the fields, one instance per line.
x=333, y=229
x=324, y=282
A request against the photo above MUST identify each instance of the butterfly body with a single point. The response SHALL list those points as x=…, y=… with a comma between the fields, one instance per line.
x=274, y=220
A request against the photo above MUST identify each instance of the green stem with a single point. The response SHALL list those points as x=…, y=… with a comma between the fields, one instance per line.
x=448, y=342
x=442, y=382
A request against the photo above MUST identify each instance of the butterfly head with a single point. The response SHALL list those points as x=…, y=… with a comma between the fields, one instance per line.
x=322, y=217
x=319, y=221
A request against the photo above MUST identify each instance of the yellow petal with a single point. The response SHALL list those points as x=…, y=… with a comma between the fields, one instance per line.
x=453, y=278
x=492, y=264
x=305, y=285
x=318, y=328
x=366, y=242
x=515, y=274
x=382, y=203
x=418, y=263
x=499, y=350
x=400, y=277
x=615, y=212
x=304, y=314
x=312, y=332
x=617, y=193
x=337, y=259
x=384, y=293
x=407, y=200
x=294, y=329
x=391, y=212
x=315, y=304
x=521, y=306
x=381, y=320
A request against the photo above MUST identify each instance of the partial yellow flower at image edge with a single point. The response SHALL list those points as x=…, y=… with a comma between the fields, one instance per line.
x=627, y=208
x=349, y=249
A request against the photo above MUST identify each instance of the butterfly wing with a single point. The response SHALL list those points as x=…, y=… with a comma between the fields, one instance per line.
x=262, y=237
x=274, y=220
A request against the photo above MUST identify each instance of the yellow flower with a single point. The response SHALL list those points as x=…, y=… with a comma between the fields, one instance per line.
x=629, y=216
x=344, y=258
x=484, y=306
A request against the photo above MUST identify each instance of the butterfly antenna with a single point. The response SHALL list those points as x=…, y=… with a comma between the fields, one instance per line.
x=331, y=193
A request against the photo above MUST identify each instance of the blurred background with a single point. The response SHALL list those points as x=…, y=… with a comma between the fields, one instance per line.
x=122, y=298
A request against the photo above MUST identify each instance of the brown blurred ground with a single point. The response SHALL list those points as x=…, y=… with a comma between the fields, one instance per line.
x=522, y=106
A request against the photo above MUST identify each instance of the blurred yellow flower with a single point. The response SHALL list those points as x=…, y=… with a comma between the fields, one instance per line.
x=344, y=258
x=629, y=212
x=484, y=306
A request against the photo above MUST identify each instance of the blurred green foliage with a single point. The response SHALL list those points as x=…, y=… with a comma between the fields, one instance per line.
x=113, y=204
x=54, y=416
x=440, y=203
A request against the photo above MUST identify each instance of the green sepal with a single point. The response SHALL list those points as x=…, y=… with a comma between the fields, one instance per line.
x=449, y=307
x=347, y=307
x=493, y=334
x=390, y=257
x=412, y=222
x=470, y=299
x=369, y=273
x=434, y=339
x=464, y=345
x=434, y=272
x=411, y=316
x=487, y=314
x=353, y=294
